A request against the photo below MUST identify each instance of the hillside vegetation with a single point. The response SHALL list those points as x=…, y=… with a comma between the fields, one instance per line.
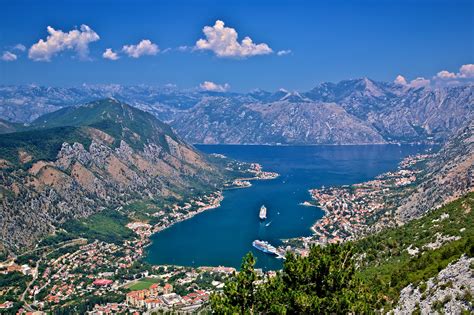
x=81, y=160
x=361, y=276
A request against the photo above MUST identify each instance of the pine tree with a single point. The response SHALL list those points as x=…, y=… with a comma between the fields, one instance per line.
x=323, y=282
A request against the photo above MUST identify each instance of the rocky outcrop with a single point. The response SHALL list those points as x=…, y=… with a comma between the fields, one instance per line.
x=448, y=176
x=450, y=291
x=94, y=172
x=221, y=121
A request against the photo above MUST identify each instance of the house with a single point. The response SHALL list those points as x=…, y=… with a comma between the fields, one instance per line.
x=102, y=282
x=153, y=303
x=7, y=304
x=155, y=289
x=167, y=289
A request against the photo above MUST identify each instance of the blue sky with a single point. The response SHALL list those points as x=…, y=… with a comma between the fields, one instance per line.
x=328, y=40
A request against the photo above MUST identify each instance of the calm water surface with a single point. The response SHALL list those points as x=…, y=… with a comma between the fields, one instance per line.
x=222, y=236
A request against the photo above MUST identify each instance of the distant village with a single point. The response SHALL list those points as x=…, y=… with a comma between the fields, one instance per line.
x=348, y=209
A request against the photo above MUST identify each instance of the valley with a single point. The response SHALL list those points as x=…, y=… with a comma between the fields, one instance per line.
x=100, y=207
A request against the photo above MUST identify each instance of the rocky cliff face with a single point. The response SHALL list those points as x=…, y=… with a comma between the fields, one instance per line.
x=218, y=120
x=449, y=291
x=448, y=176
x=356, y=111
x=92, y=169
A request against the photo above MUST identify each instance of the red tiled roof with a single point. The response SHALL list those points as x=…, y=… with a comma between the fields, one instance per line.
x=101, y=282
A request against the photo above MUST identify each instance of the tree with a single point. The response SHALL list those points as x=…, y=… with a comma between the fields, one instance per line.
x=239, y=292
x=323, y=282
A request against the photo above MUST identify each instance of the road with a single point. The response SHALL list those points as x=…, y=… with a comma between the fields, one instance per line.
x=36, y=273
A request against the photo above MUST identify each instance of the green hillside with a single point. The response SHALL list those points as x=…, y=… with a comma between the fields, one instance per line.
x=8, y=126
x=360, y=276
x=387, y=264
x=119, y=120
x=44, y=137
x=39, y=144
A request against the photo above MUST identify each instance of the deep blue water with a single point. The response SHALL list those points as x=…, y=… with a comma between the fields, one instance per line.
x=224, y=235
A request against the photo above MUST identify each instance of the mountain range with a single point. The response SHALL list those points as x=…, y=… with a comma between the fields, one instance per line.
x=358, y=111
x=80, y=160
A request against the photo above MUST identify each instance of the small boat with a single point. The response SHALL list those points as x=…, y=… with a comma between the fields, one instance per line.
x=268, y=224
x=263, y=213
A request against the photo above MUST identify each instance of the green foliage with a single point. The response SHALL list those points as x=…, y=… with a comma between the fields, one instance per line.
x=40, y=144
x=8, y=126
x=119, y=120
x=323, y=282
x=84, y=304
x=45, y=136
x=239, y=293
x=327, y=281
x=57, y=238
x=12, y=279
x=3, y=255
x=12, y=285
x=388, y=266
x=108, y=226
x=28, y=258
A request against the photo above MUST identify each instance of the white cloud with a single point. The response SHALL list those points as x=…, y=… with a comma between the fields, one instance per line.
x=400, y=80
x=284, y=52
x=416, y=83
x=223, y=42
x=445, y=75
x=19, y=47
x=8, y=56
x=184, y=48
x=145, y=47
x=109, y=54
x=57, y=41
x=214, y=87
x=419, y=82
x=465, y=72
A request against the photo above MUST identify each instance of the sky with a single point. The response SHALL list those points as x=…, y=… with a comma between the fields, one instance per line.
x=234, y=45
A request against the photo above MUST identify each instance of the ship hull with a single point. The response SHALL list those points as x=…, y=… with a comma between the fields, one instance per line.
x=263, y=213
x=270, y=250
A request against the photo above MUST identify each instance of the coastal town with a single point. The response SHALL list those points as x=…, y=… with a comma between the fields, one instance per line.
x=110, y=277
x=97, y=277
x=100, y=277
x=349, y=209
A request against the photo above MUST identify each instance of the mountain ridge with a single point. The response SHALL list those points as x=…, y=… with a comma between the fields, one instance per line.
x=372, y=111
x=56, y=173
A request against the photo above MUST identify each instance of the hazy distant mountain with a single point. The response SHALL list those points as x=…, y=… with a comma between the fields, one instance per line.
x=356, y=111
x=79, y=160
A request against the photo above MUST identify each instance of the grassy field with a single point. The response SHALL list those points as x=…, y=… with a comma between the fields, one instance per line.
x=108, y=226
x=142, y=284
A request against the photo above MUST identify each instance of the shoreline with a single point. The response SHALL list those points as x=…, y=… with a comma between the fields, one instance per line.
x=349, y=208
x=145, y=231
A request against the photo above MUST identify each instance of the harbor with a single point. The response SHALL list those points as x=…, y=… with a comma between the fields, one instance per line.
x=222, y=236
x=268, y=248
